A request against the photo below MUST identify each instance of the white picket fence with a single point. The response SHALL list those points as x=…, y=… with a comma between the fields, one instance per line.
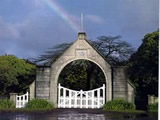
x=68, y=98
x=21, y=100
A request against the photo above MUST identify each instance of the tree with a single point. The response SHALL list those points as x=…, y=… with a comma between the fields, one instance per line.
x=143, y=66
x=80, y=74
x=115, y=50
x=15, y=74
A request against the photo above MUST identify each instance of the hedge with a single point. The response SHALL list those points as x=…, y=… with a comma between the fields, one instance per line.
x=119, y=105
x=153, y=107
x=6, y=104
x=39, y=104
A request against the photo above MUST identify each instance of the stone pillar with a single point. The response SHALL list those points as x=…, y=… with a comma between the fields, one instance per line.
x=150, y=99
x=13, y=97
x=130, y=92
x=119, y=83
x=32, y=91
x=42, y=83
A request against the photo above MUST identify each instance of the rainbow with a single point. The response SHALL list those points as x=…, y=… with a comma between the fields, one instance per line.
x=63, y=14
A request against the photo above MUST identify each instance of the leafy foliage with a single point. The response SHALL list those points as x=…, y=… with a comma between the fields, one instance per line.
x=39, y=104
x=82, y=74
x=119, y=105
x=15, y=74
x=143, y=69
x=143, y=66
x=153, y=107
x=6, y=104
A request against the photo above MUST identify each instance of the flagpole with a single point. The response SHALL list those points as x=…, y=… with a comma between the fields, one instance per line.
x=82, y=22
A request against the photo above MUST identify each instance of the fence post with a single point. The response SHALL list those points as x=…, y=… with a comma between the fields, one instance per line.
x=64, y=98
x=104, y=93
x=13, y=97
x=81, y=96
x=32, y=90
x=93, y=99
x=98, y=98
x=150, y=99
x=86, y=99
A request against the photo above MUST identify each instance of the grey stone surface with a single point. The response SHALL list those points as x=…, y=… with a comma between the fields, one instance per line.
x=32, y=91
x=122, y=89
x=12, y=97
x=116, y=79
x=42, y=83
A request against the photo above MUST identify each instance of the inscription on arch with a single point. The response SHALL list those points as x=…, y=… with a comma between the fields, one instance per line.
x=81, y=52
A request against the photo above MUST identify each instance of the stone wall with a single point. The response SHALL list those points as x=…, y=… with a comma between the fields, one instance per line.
x=130, y=92
x=152, y=99
x=122, y=89
x=42, y=83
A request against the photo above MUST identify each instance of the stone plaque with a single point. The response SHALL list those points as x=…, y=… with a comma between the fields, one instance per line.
x=81, y=53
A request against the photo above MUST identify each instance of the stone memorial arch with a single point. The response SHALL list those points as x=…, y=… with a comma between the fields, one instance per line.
x=117, y=84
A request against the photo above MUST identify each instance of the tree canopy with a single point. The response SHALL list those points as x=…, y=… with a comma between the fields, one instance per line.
x=82, y=74
x=143, y=65
x=115, y=50
x=15, y=74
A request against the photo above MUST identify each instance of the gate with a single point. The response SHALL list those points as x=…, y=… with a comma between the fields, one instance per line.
x=68, y=98
x=21, y=100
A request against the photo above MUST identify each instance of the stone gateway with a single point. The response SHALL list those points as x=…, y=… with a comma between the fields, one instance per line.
x=117, y=84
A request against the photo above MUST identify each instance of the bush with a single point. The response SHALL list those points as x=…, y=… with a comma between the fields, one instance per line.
x=39, y=104
x=119, y=105
x=6, y=104
x=153, y=107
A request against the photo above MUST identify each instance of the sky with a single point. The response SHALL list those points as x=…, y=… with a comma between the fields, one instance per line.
x=30, y=27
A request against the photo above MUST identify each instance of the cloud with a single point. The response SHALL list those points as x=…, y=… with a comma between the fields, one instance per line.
x=29, y=27
x=33, y=36
x=94, y=18
x=7, y=31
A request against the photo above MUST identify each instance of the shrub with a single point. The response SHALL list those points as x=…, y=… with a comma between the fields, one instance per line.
x=6, y=104
x=39, y=104
x=153, y=107
x=119, y=105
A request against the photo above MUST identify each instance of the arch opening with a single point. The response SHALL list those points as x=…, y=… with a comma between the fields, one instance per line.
x=82, y=74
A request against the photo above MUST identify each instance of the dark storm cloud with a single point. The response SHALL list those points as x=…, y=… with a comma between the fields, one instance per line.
x=33, y=37
x=29, y=27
